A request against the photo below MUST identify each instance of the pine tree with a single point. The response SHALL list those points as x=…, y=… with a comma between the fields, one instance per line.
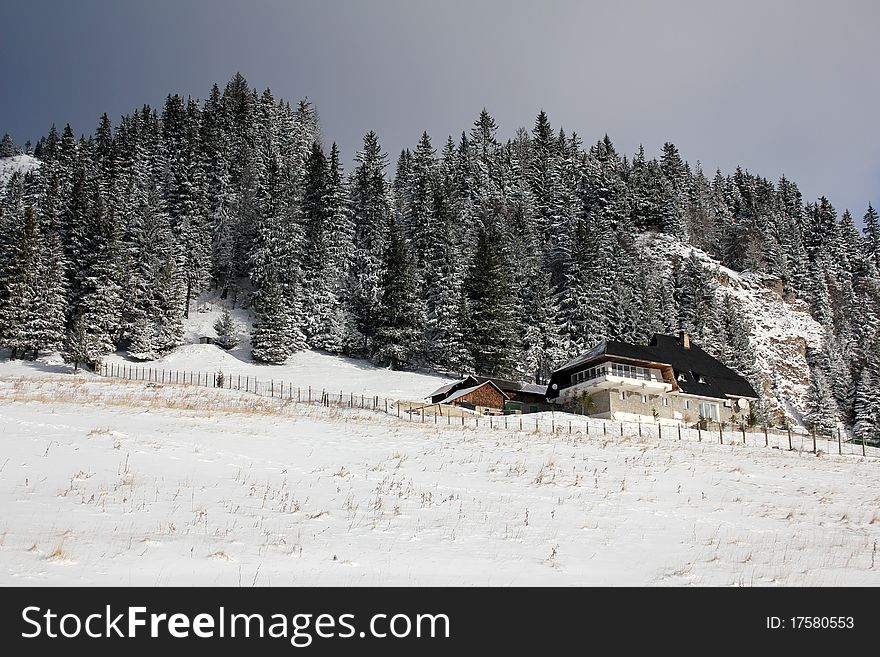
x=821, y=415
x=398, y=339
x=227, y=332
x=33, y=300
x=370, y=211
x=7, y=148
x=275, y=335
x=490, y=333
x=872, y=236
x=866, y=427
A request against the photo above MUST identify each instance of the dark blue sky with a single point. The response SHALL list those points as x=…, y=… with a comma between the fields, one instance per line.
x=775, y=85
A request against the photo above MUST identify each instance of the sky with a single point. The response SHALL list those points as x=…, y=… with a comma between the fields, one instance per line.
x=776, y=86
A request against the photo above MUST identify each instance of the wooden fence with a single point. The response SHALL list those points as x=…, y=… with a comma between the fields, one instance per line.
x=453, y=416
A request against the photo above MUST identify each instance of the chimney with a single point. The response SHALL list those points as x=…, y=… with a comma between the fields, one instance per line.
x=685, y=339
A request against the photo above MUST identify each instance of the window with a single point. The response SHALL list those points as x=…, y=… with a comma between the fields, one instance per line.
x=589, y=374
x=622, y=396
x=699, y=378
x=687, y=403
x=709, y=411
x=644, y=399
x=666, y=401
x=682, y=377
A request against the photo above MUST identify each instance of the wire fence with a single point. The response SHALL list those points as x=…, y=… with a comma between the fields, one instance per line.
x=424, y=413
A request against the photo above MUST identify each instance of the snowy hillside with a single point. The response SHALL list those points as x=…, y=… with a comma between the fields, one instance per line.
x=781, y=330
x=304, y=368
x=17, y=163
x=130, y=484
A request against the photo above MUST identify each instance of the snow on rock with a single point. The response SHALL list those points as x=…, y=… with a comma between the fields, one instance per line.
x=781, y=329
x=17, y=163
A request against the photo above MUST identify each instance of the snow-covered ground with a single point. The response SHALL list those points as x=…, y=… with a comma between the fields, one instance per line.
x=305, y=368
x=103, y=482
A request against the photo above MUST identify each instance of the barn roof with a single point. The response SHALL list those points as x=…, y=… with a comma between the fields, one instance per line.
x=502, y=384
x=513, y=386
x=466, y=391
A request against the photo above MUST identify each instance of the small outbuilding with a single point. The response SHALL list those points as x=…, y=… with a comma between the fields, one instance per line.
x=493, y=395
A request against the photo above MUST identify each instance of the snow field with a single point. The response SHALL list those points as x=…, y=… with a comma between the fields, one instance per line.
x=109, y=483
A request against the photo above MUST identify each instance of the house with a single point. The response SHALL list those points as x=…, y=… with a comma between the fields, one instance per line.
x=671, y=381
x=486, y=394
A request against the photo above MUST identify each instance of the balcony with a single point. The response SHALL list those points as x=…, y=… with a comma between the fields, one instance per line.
x=621, y=376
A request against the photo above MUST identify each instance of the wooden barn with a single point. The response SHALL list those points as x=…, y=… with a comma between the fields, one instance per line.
x=486, y=394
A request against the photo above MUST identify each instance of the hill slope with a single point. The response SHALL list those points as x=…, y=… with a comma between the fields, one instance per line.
x=781, y=329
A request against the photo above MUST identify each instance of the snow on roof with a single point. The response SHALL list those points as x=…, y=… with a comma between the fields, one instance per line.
x=466, y=391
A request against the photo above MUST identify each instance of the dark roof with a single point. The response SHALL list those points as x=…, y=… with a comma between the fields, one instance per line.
x=691, y=366
x=513, y=386
x=692, y=363
x=444, y=389
x=502, y=384
x=611, y=348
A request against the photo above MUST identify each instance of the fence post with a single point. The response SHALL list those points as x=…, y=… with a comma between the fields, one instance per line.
x=679, y=432
x=814, y=441
x=766, y=437
x=604, y=428
x=659, y=432
x=640, y=428
x=839, y=443
x=699, y=434
x=744, y=434
x=863, y=445
x=789, y=440
x=721, y=432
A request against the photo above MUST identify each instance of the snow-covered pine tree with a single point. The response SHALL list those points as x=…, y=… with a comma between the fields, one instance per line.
x=491, y=332
x=872, y=236
x=227, y=331
x=398, y=338
x=275, y=335
x=866, y=422
x=322, y=310
x=7, y=147
x=821, y=413
x=370, y=212
x=33, y=304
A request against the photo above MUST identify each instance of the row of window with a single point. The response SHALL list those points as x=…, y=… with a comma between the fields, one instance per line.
x=708, y=410
x=615, y=369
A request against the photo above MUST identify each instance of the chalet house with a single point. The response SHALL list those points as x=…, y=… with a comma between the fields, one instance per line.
x=488, y=395
x=671, y=381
